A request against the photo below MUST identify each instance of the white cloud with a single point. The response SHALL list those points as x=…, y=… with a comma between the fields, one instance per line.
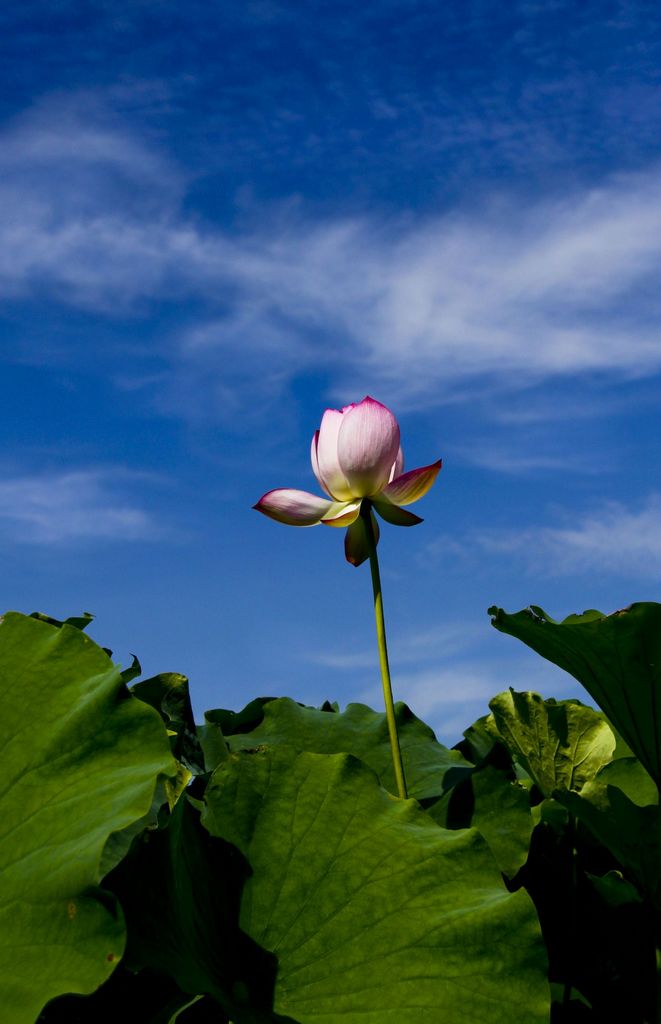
x=430, y=311
x=450, y=699
x=60, y=508
x=427, y=309
x=612, y=540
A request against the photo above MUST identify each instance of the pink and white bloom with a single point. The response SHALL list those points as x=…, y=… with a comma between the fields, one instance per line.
x=356, y=457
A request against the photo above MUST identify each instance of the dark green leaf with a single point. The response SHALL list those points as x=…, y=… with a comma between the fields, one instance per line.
x=132, y=672
x=168, y=694
x=430, y=767
x=479, y=739
x=614, y=889
x=78, y=621
x=492, y=802
x=212, y=741
x=232, y=722
x=630, y=832
x=180, y=889
x=374, y=912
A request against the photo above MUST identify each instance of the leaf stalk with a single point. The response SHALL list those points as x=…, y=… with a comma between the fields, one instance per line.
x=398, y=767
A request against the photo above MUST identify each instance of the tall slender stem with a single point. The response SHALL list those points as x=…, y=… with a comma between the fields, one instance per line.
x=366, y=514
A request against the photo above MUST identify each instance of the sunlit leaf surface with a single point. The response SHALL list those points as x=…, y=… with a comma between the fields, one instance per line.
x=80, y=758
x=561, y=744
x=375, y=914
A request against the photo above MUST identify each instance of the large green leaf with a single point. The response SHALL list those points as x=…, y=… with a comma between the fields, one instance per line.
x=498, y=807
x=561, y=744
x=81, y=758
x=375, y=913
x=429, y=766
x=616, y=657
x=491, y=798
x=479, y=740
x=502, y=815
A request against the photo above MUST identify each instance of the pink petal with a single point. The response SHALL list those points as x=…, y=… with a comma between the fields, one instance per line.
x=314, y=459
x=295, y=508
x=325, y=462
x=355, y=541
x=367, y=446
x=396, y=515
x=411, y=486
x=343, y=513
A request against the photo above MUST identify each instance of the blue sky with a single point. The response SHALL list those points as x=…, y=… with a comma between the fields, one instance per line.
x=218, y=219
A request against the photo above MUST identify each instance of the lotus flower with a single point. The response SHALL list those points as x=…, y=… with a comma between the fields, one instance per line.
x=357, y=459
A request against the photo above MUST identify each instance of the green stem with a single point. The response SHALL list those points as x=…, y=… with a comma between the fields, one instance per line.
x=366, y=514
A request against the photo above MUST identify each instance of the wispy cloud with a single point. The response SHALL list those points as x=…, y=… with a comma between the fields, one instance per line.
x=611, y=540
x=448, y=673
x=450, y=699
x=513, y=461
x=83, y=204
x=79, y=505
x=430, y=308
x=416, y=647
